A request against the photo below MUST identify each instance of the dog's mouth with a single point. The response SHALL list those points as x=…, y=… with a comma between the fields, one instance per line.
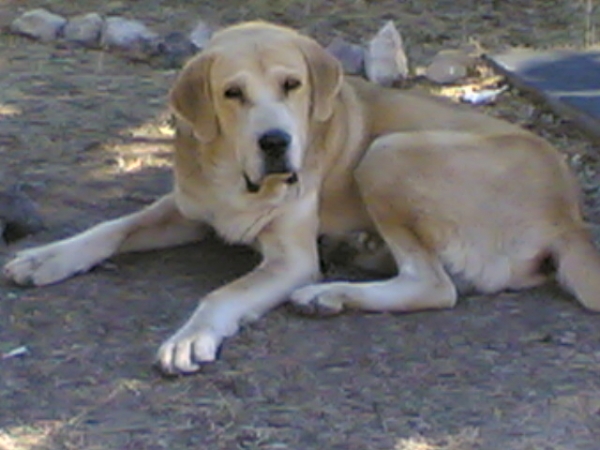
x=254, y=187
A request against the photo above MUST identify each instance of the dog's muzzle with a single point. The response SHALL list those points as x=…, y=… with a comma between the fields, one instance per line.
x=274, y=145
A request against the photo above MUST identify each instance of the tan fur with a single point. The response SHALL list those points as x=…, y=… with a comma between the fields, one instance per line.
x=451, y=192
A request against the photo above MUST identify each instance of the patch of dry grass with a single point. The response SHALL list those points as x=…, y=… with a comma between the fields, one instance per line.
x=466, y=439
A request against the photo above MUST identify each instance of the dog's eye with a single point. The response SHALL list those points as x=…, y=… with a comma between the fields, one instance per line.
x=234, y=92
x=291, y=84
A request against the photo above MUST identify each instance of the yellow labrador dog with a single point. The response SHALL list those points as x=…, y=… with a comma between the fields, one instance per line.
x=274, y=147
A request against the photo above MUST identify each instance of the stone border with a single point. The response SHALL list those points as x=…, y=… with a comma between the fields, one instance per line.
x=382, y=60
x=130, y=38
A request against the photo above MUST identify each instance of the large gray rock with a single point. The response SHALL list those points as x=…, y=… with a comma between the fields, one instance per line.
x=175, y=48
x=385, y=59
x=84, y=29
x=39, y=24
x=131, y=37
x=18, y=215
x=351, y=56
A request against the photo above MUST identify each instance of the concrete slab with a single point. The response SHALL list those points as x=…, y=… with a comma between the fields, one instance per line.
x=568, y=80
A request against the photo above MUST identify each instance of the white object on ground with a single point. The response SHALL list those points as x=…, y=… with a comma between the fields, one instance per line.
x=19, y=351
x=482, y=97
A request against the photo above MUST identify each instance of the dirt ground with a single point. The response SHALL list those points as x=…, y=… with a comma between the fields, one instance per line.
x=87, y=134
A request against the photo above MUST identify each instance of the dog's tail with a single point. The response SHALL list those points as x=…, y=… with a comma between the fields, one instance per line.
x=578, y=267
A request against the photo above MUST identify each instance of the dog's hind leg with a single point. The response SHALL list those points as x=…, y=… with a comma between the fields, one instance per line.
x=159, y=225
x=421, y=283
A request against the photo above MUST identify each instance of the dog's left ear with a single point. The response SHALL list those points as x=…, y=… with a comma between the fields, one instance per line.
x=325, y=77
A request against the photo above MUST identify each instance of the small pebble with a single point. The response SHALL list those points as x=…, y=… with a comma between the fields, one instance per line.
x=449, y=66
x=567, y=338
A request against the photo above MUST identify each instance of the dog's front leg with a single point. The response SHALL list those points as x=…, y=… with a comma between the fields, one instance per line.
x=289, y=249
x=159, y=225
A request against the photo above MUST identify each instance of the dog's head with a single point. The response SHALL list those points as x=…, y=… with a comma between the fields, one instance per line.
x=258, y=87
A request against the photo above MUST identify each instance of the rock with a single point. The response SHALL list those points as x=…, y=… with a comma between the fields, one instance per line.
x=445, y=71
x=201, y=34
x=351, y=56
x=449, y=66
x=131, y=37
x=18, y=215
x=385, y=59
x=84, y=29
x=567, y=338
x=39, y=24
x=175, y=48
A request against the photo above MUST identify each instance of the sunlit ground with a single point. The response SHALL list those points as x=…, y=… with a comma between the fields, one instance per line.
x=146, y=146
x=39, y=435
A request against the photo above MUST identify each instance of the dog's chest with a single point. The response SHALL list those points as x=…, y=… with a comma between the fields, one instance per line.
x=341, y=208
x=236, y=215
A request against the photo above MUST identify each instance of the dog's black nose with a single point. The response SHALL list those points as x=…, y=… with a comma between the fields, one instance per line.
x=274, y=142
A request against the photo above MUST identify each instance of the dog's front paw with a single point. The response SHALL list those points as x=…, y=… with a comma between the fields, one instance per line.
x=318, y=300
x=186, y=351
x=42, y=265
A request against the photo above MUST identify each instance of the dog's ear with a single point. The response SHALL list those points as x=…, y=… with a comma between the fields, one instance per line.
x=325, y=77
x=191, y=98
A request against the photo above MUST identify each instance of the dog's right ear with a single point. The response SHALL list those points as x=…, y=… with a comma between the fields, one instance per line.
x=191, y=98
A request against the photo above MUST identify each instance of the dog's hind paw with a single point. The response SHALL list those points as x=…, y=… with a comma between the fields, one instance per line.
x=317, y=300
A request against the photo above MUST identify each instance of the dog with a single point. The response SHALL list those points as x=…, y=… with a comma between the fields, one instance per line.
x=274, y=147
